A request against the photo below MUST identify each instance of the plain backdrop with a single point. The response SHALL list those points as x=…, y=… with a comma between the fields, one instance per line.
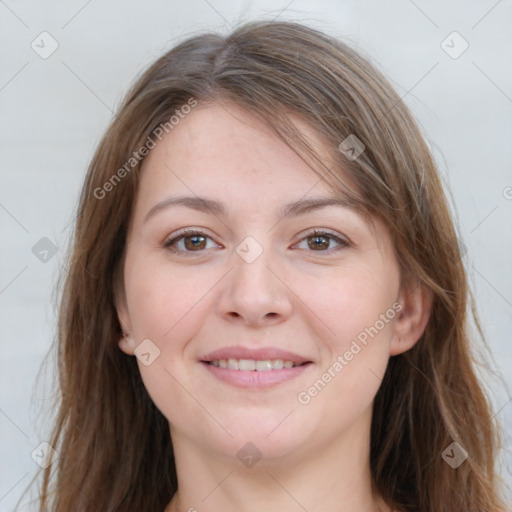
x=53, y=111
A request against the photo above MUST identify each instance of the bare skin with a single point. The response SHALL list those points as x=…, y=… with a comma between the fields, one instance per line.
x=304, y=293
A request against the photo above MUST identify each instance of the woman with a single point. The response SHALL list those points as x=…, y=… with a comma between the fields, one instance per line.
x=266, y=306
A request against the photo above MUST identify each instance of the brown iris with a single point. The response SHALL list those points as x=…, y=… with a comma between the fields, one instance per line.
x=193, y=242
x=316, y=238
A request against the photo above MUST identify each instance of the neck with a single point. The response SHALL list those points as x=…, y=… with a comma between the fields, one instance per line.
x=333, y=476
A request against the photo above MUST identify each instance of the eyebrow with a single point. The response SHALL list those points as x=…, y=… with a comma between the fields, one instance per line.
x=207, y=205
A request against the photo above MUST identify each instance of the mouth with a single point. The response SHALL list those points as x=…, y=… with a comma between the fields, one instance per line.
x=260, y=365
x=246, y=368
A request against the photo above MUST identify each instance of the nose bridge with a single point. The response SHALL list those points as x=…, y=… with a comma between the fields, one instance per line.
x=254, y=292
x=251, y=268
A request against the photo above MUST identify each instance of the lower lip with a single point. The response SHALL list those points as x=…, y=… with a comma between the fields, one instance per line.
x=254, y=378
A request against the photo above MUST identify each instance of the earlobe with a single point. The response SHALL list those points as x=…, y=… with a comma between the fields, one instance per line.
x=412, y=320
x=126, y=344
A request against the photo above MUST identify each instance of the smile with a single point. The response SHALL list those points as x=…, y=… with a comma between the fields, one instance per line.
x=253, y=365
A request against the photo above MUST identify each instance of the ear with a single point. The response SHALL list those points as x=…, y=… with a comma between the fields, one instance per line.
x=411, y=321
x=126, y=343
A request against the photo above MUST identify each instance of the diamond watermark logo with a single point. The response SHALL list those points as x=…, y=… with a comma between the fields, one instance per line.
x=146, y=352
x=44, y=45
x=249, y=455
x=454, y=455
x=454, y=45
x=351, y=147
x=249, y=249
x=44, y=455
x=44, y=250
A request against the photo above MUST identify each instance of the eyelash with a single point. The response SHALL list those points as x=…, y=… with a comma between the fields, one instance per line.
x=190, y=232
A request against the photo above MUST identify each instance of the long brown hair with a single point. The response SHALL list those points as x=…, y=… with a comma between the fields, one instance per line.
x=115, y=451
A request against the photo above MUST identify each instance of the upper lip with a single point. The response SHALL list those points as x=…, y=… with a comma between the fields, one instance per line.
x=260, y=354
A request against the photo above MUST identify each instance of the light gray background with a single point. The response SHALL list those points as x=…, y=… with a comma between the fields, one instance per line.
x=54, y=110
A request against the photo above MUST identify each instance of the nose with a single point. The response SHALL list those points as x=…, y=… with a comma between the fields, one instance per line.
x=255, y=294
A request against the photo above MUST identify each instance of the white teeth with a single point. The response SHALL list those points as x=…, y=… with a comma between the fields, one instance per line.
x=247, y=364
x=253, y=365
x=263, y=366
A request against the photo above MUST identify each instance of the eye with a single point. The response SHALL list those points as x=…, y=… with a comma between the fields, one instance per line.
x=319, y=241
x=190, y=240
x=194, y=241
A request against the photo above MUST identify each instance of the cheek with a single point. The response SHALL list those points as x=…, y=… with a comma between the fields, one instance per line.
x=356, y=306
x=165, y=307
x=359, y=313
x=351, y=301
x=162, y=302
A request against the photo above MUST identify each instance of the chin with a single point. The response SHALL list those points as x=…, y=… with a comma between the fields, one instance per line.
x=272, y=437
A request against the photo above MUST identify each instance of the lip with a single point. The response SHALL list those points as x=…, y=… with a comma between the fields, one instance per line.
x=255, y=379
x=261, y=354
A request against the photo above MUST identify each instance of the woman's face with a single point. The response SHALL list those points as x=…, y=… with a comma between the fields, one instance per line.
x=254, y=285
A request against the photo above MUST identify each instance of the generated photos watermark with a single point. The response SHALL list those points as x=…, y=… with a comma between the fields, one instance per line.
x=342, y=360
x=143, y=151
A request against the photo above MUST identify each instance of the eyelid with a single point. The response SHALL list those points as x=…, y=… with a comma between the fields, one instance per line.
x=321, y=231
x=186, y=232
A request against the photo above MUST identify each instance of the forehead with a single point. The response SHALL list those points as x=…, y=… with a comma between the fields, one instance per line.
x=223, y=148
